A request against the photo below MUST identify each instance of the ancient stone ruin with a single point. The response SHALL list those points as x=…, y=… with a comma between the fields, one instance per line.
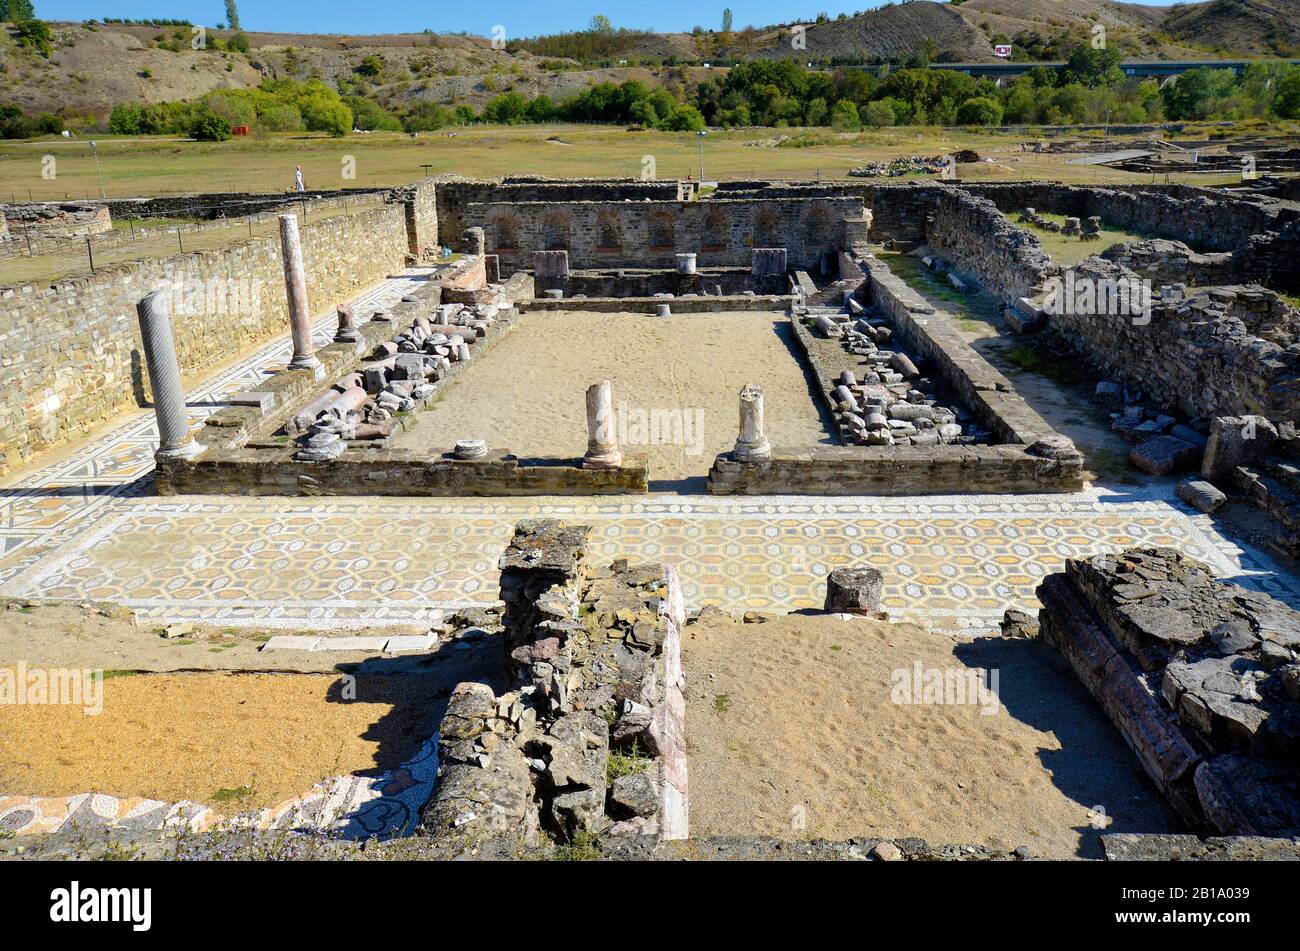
x=591, y=738
x=1199, y=676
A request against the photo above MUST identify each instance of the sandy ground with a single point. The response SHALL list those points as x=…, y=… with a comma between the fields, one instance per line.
x=792, y=732
x=179, y=722
x=526, y=395
x=110, y=638
x=236, y=741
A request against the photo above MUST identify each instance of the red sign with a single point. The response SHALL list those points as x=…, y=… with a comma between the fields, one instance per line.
x=1003, y=50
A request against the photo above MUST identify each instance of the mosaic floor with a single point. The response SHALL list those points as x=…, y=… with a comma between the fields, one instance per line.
x=91, y=528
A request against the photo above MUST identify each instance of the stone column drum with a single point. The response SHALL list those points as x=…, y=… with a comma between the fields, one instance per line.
x=174, y=438
x=602, y=444
x=295, y=285
x=752, y=444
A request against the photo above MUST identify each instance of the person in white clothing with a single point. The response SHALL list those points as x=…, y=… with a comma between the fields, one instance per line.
x=297, y=179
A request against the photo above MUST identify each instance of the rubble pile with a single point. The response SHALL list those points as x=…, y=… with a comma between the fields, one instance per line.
x=400, y=374
x=1201, y=677
x=894, y=403
x=590, y=741
x=896, y=168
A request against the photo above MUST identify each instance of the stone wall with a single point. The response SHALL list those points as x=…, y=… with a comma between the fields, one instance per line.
x=895, y=470
x=1220, y=351
x=231, y=204
x=71, y=353
x=53, y=219
x=420, y=206
x=594, y=656
x=650, y=233
x=1206, y=219
x=456, y=195
x=1199, y=676
x=978, y=240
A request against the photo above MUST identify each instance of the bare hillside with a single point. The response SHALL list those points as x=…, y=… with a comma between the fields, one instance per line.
x=90, y=70
x=1264, y=27
x=888, y=33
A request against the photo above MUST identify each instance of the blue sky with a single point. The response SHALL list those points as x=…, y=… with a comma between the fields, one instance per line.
x=389, y=16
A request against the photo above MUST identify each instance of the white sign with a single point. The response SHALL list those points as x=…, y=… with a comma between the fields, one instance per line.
x=1003, y=50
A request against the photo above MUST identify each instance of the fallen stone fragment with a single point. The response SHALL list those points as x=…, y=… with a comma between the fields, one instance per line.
x=1164, y=455
x=1201, y=495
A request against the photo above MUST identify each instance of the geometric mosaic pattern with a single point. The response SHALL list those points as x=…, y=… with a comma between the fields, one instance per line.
x=951, y=562
x=90, y=528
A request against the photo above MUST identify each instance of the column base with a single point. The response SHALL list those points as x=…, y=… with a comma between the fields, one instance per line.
x=173, y=453
x=603, y=459
x=752, y=451
x=311, y=363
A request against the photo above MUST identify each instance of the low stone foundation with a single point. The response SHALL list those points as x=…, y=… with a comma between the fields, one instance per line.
x=1199, y=676
x=895, y=470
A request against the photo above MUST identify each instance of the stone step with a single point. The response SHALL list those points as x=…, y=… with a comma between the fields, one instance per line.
x=1286, y=473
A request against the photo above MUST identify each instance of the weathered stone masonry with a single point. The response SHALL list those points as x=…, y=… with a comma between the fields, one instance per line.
x=652, y=233
x=70, y=353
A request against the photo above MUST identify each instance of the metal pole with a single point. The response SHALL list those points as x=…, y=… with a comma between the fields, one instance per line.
x=90, y=252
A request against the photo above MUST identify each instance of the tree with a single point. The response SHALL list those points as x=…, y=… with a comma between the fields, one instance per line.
x=17, y=11
x=980, y=110
x=1287, y=103
x=878, y=115
x=685, y=119
x=232, y=14
x=844, y=117
x=1093, y=67
x=600, y=24
x=210, y=127
x=726, y=20
x=239, y=43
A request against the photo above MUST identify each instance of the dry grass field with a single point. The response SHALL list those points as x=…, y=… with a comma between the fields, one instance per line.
x=162, y=165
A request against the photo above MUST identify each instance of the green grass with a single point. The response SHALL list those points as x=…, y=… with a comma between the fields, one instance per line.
x=228, y=794
x=165, y=165
x=585, y=847
x=1067, y=250
x=622, y=764
x=721, y=703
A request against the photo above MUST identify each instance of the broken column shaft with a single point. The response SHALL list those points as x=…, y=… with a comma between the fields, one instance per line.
x=602, y=444
x=752, y=444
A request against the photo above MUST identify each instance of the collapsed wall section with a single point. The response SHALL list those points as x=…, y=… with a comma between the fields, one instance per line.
x=591, y=740
x=1199, y=676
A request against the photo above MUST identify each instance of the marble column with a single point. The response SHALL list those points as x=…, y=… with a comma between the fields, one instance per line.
x=602, y=443
x=174, y=438
x=752, y=445
x=295, y=285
